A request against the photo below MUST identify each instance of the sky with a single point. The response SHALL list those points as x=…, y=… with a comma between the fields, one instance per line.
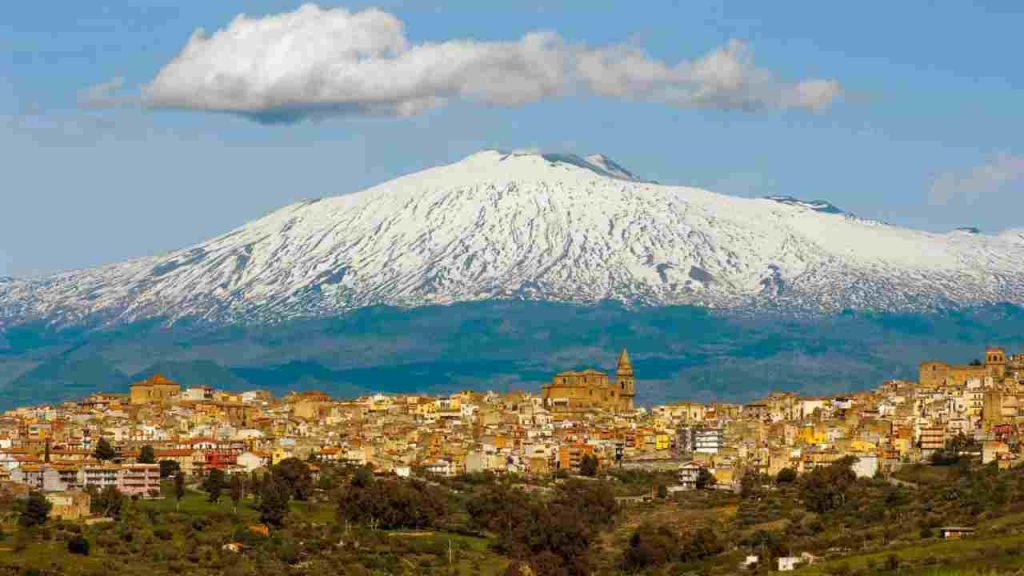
x=126, y=132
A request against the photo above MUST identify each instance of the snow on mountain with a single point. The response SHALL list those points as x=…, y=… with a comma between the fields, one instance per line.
x=1013, y=235
x=526, y=225
x=606, y=164
x=816, y=205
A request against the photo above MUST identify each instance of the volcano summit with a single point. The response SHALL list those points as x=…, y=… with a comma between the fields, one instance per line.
x=520, y=225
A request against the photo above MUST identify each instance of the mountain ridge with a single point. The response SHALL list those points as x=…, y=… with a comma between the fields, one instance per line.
x=534, y=226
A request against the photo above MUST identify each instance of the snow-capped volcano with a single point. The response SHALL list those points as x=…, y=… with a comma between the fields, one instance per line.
x=526, y=225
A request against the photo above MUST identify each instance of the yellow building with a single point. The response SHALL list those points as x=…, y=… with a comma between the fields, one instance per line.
x=153, y=389
x=307, y=405
x=662, y=442
x=591, y=389
x=69, y=505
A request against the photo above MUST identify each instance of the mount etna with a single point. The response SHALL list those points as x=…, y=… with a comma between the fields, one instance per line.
x=502, y=268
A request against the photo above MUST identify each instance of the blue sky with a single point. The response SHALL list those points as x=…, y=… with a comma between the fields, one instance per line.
x=927, y=132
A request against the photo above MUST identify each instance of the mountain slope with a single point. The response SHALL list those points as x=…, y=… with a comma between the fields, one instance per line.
x=552, y=227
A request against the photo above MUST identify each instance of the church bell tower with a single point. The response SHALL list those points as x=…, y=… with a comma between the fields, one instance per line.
x=625, y=381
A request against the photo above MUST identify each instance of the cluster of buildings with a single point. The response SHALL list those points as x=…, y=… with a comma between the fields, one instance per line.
x=51, y=448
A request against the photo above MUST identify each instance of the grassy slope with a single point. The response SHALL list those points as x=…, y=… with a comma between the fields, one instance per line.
x=472, y=555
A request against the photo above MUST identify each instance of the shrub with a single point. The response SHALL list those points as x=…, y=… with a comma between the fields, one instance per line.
x=785, y=476
x=78, y=544
x=35, y=511
x=650, y=546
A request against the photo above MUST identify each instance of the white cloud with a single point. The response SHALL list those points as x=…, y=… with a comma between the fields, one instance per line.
x=328, y=61
x=103, y=95
x=725, y=78
x=1002, y=173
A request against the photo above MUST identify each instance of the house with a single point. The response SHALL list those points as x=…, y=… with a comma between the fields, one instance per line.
x=688, y=473
x=183, y=456
x=250, y=461
x=956, y=532
x=41, y=477
x=931, y=438
x=235, y=547
x=99, y=476
x=790, y=563
x=441, y=467
x=865, y=466
x=139, y=479
x=708, y=440
x=258, y=529
x=71, y=505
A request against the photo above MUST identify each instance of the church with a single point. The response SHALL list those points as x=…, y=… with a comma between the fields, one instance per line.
x=591, y=389
x=155, y=389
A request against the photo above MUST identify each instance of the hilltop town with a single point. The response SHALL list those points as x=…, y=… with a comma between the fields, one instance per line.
x=579, y=419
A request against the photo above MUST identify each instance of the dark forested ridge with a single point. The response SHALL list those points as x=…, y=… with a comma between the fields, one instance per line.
x=679, y=352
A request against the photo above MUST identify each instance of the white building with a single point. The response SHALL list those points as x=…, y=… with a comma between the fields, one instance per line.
x=250, y=461
x=99, y=476
x=707, y=440
x=42, y=477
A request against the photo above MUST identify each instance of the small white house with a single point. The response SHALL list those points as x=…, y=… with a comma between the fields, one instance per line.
x=789, y=563
x=441, y=467
x=250, y=461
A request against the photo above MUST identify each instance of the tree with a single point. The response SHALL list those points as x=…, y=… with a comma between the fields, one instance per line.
x=785, y=476
x=296, y=476
x=650, y=546
x=108, y=502
x=214, y=484
x=952, y=451
x=943, y=457
x=362, y=477
x=104, y=451
x=78, y=544
x=750, y=485
x=553, y=535
x=237, y=490
x=179, y=489
x=274, y=498
x=588, y=465
x=824, y=489
x=766, y=544
x=169, y=468
x=593, y=503
x=147, y=455
x=35, y=511
x=392, y=503
x=705, y=479
x=700, y=544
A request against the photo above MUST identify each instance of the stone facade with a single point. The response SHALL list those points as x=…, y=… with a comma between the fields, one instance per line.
x=996, y=366
x=591, y=389
x=154, y=389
